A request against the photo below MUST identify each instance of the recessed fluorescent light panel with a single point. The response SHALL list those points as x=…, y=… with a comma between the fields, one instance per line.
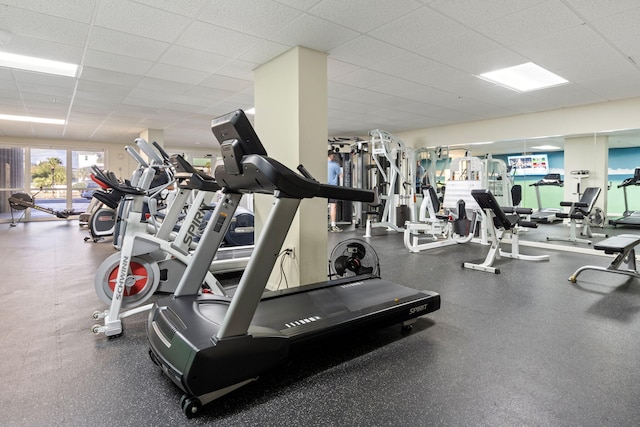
x=38, y=65
x=32, y=119
x=470, y=143
x=546, y=147
x=524, y=77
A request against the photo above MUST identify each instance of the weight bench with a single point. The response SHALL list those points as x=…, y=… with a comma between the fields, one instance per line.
x=499, y=223
x=579, y=211
x=623, y=245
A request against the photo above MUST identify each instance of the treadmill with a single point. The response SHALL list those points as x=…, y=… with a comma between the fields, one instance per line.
x=210, y=345
x=629, y=218
x=546, y=215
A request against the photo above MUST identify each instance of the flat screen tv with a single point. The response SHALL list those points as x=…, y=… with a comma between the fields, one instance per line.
x=530, y=164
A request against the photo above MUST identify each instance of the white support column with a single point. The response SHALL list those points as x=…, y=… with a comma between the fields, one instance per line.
x=291, y=120
x=587, y=153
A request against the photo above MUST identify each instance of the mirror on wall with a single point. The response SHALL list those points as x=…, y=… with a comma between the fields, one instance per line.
x=539, y=161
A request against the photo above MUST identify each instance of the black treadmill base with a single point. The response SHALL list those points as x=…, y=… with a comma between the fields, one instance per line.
x=284, y=324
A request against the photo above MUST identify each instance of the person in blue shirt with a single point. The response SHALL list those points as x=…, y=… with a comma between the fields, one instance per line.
x=333, y=178
x=419, y=175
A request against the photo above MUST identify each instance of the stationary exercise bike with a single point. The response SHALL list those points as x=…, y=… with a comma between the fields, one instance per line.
x=102, y=215
x=155, y=262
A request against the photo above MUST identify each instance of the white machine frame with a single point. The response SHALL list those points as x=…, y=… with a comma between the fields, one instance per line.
x=400, y=174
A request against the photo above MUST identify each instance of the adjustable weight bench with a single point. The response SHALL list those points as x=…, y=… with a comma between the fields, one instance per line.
x=499, y=223
x=579, y=211
x=623, y=245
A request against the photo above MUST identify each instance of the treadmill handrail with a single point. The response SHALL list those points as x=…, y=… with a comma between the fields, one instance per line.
x=262, y=174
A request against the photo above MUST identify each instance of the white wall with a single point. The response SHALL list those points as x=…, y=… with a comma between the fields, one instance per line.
x=592, y=118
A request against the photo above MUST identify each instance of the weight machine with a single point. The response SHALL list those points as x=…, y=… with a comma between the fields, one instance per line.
x=394, y=181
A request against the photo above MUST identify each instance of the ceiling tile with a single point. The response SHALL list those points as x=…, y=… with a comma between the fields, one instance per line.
x=175, y=106
x=619, y=87
x=300, y=4
x=46, y=49
x=571, y=94
x=471, y=52
x=161, y=85
x=591, y=10
x=35, y=25
x=364, y=78
x=135, y=18
x=414, y=30
x=176, y=74
x=196, y=59
x=263, y=51
x=26, y=79
x=580, y=37
x=91, y=74
x=221, y=41
x=313, y=33
x=74, y=10
x=237, y=69
x=87, y=87
x=630, y=47
x=620, y=26
x=125, y=44
x=158, y=97
x=190, y=8
x=363, y=15
x=114, y=62
x=538, y=21
x=364, y=51
x=337, y=68
x=248, y=16
x=473, y=13
x=227, y=83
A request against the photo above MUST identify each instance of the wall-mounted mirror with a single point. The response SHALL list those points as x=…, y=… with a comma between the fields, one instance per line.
x=559, y=168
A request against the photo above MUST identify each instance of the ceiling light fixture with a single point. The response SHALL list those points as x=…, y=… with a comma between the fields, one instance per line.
x=33, y=119
x=471, y=143
x=39, y=65
x=524, y=77
x=546, y=147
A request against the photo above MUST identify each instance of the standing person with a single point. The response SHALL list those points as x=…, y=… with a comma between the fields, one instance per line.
x=419, y=175
x=333, y=177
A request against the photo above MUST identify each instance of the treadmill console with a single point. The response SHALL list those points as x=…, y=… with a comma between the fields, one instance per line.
x=552, y=177
x=237, y=126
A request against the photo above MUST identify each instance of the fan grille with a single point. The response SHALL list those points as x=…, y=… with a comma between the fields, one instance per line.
x=353, y=257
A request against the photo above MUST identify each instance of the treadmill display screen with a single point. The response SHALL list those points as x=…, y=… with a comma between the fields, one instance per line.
x=237, y=126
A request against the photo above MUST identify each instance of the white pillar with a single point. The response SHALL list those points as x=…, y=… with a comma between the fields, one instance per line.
x=587, y=153
x=291, y=120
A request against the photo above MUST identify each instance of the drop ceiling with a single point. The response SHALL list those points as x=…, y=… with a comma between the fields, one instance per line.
x=397, y=65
